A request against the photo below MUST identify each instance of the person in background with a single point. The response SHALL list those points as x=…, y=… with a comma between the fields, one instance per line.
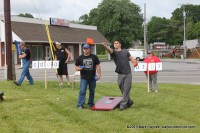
x=121, y=58
x=89, y=66
x=25, y=56
x=152, y=74
x=63, y=55
x=174, y=53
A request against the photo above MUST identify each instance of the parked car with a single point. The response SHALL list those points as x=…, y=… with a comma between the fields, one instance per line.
x=138, y=54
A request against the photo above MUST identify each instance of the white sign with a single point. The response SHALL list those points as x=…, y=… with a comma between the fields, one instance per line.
x=159, y=66
x=151, y=66
x=45, y=64
x=35, y=64
x=59, y=22
x=48, y=64
x=41, y=64
x=55, y=64
x=141, y=67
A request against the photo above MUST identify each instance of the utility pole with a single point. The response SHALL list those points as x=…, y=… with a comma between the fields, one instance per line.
x=184, y=42
x=8, y=39
x=145, y=30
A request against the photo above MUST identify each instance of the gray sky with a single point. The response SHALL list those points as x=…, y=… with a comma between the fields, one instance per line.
x=73, y=9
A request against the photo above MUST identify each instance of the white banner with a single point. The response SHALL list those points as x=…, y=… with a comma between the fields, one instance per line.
x=151, y=66
x=141, y=67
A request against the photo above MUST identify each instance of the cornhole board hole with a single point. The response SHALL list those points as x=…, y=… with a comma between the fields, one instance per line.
x=107, y=103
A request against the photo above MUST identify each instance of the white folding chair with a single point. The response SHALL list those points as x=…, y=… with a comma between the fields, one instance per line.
x=77, y=73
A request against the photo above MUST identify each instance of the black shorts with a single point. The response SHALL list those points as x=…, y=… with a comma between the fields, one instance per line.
x=62, y=70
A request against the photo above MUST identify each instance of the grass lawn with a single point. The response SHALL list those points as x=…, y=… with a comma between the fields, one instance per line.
x=33, y=109
x=103, y=57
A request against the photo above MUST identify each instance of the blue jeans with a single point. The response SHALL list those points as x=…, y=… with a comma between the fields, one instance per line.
x=82, y=92
x=25, y=72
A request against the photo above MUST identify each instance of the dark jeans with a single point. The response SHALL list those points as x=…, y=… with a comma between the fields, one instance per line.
x=82, y=92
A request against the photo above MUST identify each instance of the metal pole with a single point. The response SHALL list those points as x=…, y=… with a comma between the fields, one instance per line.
x=8, y=38
x=145, y=43
x=184, y=43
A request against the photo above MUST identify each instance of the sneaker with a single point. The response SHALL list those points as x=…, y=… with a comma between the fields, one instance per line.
x=156, y=91
x=61, y=84
x=89, y=107
x=16, y=83
x=122, y=108
x=130, y=103
x=80, y=107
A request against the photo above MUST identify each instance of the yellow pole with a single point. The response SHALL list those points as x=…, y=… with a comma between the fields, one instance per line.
x=51, y=46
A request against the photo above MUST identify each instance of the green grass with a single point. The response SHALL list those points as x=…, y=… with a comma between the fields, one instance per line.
x=33, y=109
x=103, y=57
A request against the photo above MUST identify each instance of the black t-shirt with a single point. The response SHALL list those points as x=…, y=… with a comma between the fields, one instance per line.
x=28, y=53
x=121, y=59
x=61, y=55
x=89, y=63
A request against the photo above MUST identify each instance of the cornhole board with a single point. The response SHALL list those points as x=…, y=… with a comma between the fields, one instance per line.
x=107, y=103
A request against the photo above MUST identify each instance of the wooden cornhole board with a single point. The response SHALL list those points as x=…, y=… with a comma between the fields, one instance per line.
x=107, y=103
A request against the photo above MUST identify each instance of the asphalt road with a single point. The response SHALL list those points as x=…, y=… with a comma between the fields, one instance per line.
x=183, y=71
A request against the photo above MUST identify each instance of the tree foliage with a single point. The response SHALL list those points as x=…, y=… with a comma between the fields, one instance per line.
x=116, y=19
x=158, y=29
x=195, y=33
x=28, y=15
x=171, y=30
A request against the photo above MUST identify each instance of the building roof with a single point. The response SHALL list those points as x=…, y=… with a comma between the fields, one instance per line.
x=33, y=32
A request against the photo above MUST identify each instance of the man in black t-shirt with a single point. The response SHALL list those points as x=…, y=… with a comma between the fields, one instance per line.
x=88, y=64
x=25, y=56
x=121, y=58
x=63, y=55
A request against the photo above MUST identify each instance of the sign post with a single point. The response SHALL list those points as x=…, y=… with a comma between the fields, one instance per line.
x=45, y=65
x=148, y=67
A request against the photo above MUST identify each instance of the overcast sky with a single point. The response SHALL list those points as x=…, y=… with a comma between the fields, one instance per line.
x=73, y=9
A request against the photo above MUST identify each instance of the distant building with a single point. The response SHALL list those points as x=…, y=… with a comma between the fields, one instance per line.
x=158, y=45
x=33, y=33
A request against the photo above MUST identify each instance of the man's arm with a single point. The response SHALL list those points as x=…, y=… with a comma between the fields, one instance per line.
x=68, y=55
x=22, y=56
x=135, y=62
x=107, y=48
x=77, y=68
x=98, y=71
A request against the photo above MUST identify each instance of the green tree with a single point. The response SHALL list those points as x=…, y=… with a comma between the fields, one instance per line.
x=195, y=33
x=158, y=29
x=192, y=13
x=28, y=15
x=175, y=33
x=192, y=17
x=116, y=19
